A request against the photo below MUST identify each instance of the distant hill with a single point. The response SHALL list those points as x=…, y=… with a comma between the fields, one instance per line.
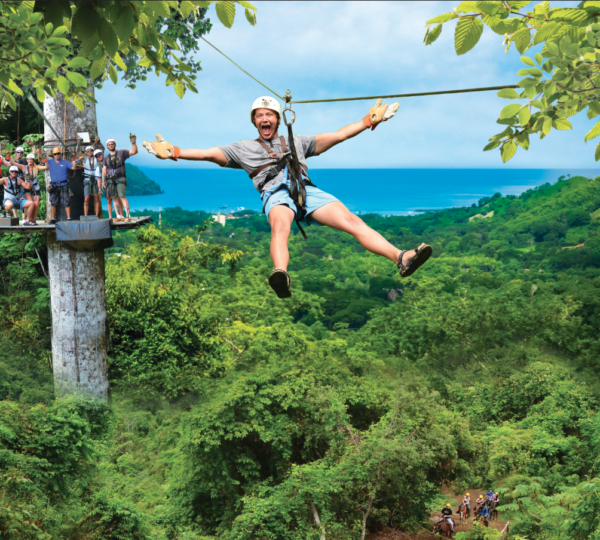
x=139, y=184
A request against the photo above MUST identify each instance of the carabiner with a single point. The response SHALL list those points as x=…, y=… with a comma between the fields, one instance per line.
x=285, y=121
x=288, y=99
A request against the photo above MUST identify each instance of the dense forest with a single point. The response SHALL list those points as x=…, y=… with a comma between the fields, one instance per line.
x=333, y=414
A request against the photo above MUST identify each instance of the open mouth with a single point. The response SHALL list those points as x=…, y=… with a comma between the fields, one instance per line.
x=265, y=130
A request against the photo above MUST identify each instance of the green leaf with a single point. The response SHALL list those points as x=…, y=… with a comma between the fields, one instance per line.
x=547, y=125
x=537, y=103
x=492, y=145
x=49, y=28
x=523, y=140
x=108, y=37
x=526, y=83
x=85, y=21
x=508, y=150
x=113, y=73
x=521, y=39
x=467, y=34
x=596, y=155
x=78, y=62
x=510, y=110
x=186, y=8
x=515, y=5
x=41, y=95
x=490, y=7
x=444, y=17
x=63, y=85
x=15, y=88
x=226, y=12
x=467, y=7
x=593, y=133
x=527, y=61
x=503, y=26
x=161, y=9
x=203, y=3
x=433, y=34
x=77, y=79
x=146, y=61
x=553, y=48
x=508, y=93
x=119, y=61
x=12, y=103
x=524, y=116
x=565, y=43
x=78, y=102
x=246, y=4
x=539, y=58
x=124, y=24
x=98, y=67
x=251, y=16
x=561, y=124
x=545, y=32
x=169, y=42
x=180, y=89
x=60, y=31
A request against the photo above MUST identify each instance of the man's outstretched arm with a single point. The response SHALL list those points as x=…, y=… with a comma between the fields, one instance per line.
x=214, y=155
x=379, y=113
x=327, y=140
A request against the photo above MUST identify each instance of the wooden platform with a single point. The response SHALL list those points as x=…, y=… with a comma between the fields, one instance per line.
x=43, y=226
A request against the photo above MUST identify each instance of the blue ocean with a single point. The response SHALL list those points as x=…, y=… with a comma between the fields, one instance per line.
x=384, y=191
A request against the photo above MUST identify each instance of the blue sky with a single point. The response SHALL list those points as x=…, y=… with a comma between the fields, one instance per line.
x=344, y=49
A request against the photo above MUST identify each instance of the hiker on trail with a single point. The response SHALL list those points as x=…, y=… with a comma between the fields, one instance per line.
x=30, y=175
x=13, y=199
x=92, y=176
x=446, y=515
x=281, y=178
x=114, y=178
x=484, y=513
x=478, y=504
x=59, y=184
x=489, y=495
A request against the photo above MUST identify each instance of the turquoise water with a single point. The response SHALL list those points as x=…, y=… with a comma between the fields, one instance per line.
x=385, y=191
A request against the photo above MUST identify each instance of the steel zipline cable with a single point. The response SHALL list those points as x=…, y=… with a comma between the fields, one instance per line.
x=417, y=94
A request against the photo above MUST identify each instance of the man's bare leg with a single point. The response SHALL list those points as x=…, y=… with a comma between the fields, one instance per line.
x=109, y=205
x=280, y=219
x=337, y=216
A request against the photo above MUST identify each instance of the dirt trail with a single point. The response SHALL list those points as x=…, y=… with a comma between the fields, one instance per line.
x=393, y=534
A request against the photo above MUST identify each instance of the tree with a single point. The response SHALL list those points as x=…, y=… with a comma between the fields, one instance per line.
x=50, y=46
x=561, y=81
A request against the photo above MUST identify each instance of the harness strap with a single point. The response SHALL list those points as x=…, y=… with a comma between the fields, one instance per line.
x=273, y=155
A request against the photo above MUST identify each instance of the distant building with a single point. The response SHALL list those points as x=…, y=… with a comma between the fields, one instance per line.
x=220, y=218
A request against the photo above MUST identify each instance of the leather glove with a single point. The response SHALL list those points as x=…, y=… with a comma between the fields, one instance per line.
x=380, y=113
x=132, y=138
x=162, y=149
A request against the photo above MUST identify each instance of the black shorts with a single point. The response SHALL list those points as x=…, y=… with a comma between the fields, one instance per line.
x=59, y=196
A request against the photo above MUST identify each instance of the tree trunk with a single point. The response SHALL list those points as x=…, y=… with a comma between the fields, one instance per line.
x=78, y=303
x=77, y=293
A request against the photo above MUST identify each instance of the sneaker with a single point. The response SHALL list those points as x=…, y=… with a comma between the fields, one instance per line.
x=117, y=219
x=52, y=222
x=127, y=219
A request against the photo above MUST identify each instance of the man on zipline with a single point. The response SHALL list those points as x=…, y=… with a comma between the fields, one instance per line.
x=267, y=158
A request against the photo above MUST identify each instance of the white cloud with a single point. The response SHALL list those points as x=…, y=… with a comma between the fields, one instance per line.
x=342, y=49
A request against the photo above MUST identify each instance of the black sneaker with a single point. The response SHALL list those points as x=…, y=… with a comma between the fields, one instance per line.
x=279, y=280
x=52, y=222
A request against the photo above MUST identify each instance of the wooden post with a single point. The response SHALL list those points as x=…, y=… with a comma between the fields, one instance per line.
x=79, y=323
x=77, y=292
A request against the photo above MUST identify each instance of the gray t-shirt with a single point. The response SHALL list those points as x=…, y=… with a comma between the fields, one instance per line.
x=250, y=155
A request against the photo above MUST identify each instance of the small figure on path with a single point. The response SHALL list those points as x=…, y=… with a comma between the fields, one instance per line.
x=30, y=175
x=287, y=193
x=13, y=200
x=91, y=180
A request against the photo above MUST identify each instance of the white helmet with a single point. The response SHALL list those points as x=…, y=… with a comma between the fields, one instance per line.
x=30, y=156
x=265, y=102
x=111, y=140
x=13, y=168
x=98, y=152
x=19, y=149
x=89, y=148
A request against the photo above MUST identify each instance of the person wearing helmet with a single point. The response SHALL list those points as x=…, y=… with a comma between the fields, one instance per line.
x=114, y=178
x=91, y=180
x=30, y=175
x=264, y=159
x=467, y=503
x=59, y=184
x=447, y=515
x=12, y=187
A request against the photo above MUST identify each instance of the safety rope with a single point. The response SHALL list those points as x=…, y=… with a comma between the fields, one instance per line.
x=236, y=65
x=436, y=93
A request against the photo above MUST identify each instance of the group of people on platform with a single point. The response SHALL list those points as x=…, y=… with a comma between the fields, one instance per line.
x=100, y=173
x=484, y=506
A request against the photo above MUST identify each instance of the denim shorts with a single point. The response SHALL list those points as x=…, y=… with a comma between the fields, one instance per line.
x=17, y=203
x=280, y=194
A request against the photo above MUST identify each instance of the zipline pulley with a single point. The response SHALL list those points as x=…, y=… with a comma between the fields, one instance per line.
x=288, y=108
